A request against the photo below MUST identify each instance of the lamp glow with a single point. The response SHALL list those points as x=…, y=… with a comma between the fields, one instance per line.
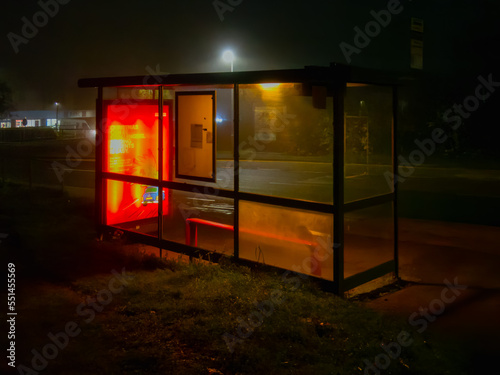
x=270, y=86
x=228, y=56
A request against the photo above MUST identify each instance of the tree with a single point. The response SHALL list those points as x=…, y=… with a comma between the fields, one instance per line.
x=5, y=97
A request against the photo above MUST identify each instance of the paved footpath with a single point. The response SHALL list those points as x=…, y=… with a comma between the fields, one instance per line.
x=454, y=270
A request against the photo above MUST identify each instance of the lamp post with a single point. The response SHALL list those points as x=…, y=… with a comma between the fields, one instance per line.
x=228, y=57
x=57, y=114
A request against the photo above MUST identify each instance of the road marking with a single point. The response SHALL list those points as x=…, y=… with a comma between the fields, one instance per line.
x=303, y=182
x=317, y=182
x=354, y=176
x=202, y=199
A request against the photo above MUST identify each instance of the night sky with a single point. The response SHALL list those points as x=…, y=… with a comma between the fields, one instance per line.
x=113, y=38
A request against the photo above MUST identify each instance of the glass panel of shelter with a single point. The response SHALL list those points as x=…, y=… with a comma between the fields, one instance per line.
x=369, y=232
x=286, y=141
x=199, y=220
x=368, y=141
x=132, y=206
x=368, y=238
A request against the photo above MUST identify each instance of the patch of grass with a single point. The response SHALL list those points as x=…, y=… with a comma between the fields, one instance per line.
x=181, y=322
x=176, y=322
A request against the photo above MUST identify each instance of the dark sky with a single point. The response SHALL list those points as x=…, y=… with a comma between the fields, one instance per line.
x=90, y=38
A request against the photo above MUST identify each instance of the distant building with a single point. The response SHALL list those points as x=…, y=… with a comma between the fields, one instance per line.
x=46, y=118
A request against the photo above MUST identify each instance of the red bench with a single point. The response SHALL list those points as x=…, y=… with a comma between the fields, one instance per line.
x=192, y=236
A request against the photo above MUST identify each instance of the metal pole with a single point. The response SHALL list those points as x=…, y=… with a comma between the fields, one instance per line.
x=395, y=173
x=236, y=170
x=160, y=167
x=338, y=188
x=99, y=183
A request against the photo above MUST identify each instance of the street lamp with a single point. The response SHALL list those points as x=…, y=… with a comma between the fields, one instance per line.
x=57, y=113
x=228, y=57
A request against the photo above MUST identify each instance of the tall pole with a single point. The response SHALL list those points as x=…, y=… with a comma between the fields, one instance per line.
x=57, y=115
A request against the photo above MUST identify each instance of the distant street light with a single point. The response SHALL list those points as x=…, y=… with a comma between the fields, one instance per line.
x=228, y=57
x=57, y=113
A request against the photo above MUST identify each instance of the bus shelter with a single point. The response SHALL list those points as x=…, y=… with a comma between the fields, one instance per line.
x=293, y=169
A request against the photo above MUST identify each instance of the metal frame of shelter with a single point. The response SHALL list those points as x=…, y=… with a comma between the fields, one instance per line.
x=335, y=78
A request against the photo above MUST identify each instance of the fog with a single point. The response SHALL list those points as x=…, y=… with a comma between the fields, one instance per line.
x=76, y=39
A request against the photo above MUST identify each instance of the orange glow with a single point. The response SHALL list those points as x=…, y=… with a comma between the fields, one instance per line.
x=132, y=139
x=137, y=191
x=115, y=195
x=270, y=86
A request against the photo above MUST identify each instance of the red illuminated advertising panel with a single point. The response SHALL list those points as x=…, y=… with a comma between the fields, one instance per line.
x=131, y=138
x=130, y=147
x=128, y=202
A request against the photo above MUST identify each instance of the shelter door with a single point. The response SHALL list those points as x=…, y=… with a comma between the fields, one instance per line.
x=195, y=135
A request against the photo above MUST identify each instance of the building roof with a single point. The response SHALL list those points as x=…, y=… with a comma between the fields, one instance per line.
x=51, y=114
x=32, y=114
